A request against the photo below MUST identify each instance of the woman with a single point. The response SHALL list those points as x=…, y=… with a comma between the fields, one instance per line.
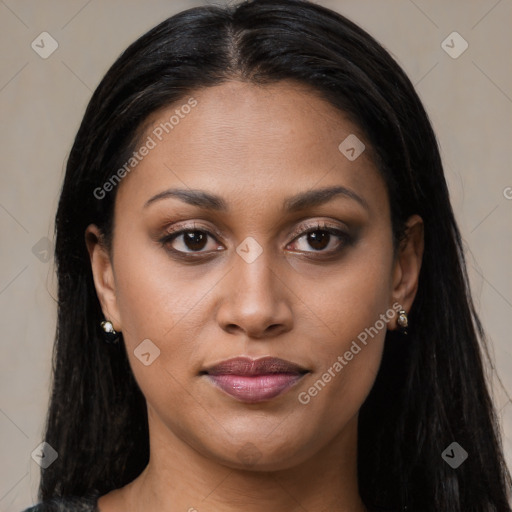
x=263, y=301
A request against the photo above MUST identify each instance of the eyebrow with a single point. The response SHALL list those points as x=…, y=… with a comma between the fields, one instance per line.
x=294, y=203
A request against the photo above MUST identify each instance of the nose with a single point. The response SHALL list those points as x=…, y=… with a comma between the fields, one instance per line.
x=254, y=301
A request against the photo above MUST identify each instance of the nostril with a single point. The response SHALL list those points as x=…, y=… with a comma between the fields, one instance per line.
x=273, y=327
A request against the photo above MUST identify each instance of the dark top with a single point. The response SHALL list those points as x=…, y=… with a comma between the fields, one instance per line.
x=87, y=503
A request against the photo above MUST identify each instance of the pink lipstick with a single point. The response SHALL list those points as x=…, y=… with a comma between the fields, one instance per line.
x=252, y=381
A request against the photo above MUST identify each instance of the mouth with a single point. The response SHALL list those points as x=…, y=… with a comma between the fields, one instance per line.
x=254, y=380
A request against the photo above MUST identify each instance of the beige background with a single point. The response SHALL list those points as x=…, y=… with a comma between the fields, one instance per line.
x=42, y=102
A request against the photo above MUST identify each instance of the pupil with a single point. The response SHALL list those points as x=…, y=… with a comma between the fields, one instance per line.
x=318, y=239
x=195, y=240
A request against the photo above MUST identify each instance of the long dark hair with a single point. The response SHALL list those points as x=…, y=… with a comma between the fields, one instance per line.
x=431, y=389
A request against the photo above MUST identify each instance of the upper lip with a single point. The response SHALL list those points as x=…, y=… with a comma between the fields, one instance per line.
x=248, y=366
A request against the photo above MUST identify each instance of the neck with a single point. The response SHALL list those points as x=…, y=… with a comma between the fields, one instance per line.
x=179, y=478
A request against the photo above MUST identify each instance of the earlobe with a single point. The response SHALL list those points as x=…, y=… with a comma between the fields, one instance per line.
x=103, y=275
x=407, y=265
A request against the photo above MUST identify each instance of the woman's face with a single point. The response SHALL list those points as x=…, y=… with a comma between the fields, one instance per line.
x=212, y=261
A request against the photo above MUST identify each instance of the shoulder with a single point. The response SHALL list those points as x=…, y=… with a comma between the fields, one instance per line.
x=87, y=503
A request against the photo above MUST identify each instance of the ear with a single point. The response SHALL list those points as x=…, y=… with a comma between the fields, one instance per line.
x=103, y=275
x=407, y=265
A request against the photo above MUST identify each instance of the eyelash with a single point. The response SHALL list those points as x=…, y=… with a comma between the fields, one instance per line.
x=301, y=231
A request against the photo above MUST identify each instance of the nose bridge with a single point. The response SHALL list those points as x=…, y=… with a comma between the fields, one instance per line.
x=255, y=301
x=255, y=280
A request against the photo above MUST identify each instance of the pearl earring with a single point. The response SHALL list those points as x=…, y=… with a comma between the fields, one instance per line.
x=110, y=334
x=403, y=321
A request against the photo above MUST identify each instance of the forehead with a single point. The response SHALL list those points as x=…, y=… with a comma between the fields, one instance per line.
x=240, y=137
x=245, y=117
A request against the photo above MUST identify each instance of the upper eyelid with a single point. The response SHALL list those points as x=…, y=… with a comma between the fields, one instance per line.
x=302, y=228
x=183, y=229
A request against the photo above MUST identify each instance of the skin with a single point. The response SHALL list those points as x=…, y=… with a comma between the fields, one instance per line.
x=254, y=146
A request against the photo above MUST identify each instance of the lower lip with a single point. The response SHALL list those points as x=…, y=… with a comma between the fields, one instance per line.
x=255, y=388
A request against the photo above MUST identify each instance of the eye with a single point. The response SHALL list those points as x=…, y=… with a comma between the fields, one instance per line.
x=321, y=238
x=191, y=241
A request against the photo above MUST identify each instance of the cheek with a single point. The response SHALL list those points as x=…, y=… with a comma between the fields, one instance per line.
x=165, y=306
x=350, y=296
x=354, y=306
x=154, y=296
x=347, y=362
